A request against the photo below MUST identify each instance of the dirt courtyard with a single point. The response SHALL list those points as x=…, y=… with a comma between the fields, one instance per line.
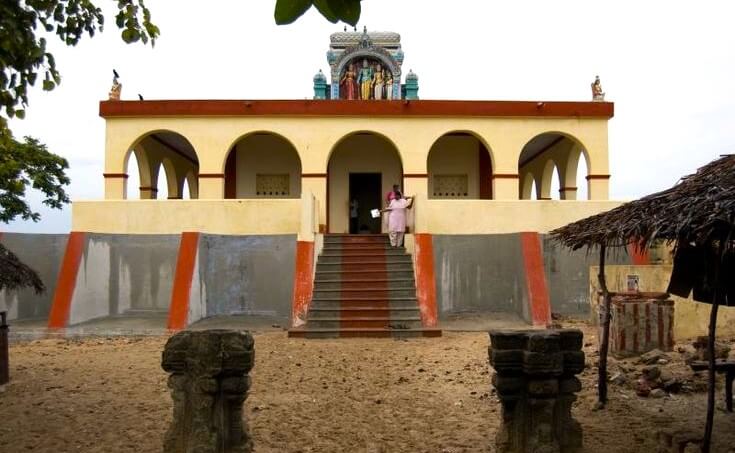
x=349, y=395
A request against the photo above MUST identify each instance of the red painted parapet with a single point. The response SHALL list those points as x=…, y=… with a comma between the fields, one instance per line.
x=66, y=282
x=538, y=293
x=638, y=257
x=640, y=323
x=425, y=280
x=178, y=312
x=303, y=285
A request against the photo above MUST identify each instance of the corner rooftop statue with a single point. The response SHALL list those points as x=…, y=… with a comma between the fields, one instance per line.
x=365, y=66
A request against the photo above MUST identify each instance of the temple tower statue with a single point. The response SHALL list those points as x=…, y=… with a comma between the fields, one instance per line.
x=364, y=66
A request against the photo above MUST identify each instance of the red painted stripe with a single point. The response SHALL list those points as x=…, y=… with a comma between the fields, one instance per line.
x=538, y=294
x=67, y=281
x=638, y=257
x=648, y=325
x=636, y=326
x=178, y=312
x=660, y=327
x=621, y=326
x=303, y=285
x=425, y=279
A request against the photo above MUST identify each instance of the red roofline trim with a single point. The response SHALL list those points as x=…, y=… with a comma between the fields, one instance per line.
x=115, y=109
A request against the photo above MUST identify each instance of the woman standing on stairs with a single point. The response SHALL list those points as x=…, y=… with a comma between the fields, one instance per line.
x=397, y=218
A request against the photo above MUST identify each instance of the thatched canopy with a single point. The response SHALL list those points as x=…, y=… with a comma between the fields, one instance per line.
x=15, y=275
x=700, y=208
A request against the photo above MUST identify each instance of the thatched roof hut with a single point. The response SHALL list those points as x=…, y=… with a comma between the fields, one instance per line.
x=697, y=213
x=15, y=275
x=700, y=208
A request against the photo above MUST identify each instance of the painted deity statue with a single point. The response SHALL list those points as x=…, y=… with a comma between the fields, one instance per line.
x=365, y=80
x=388, y=85
x=597, y=93
x=349, y=83
x=378, y=83
x=115, y=91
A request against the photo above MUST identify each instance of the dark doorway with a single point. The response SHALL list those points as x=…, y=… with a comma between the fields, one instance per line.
x=365, y=190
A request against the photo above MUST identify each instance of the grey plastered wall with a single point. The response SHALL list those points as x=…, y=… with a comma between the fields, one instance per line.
x=123, y=274
x=43, y=253
x=567, y=276
x=479, y=273
x=246, y=274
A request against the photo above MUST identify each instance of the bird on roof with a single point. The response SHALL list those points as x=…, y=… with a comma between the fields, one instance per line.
x=140, y=96
x=115, y=74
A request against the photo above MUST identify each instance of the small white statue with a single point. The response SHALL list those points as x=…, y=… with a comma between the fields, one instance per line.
x=597, y=93
x=116, y=89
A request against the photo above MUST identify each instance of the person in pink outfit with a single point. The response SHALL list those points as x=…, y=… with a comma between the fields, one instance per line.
x=397, y=218
x=390, y=196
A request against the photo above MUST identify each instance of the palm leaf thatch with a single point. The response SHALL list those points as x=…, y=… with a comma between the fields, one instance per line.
x=700, y=208
x=15, y=275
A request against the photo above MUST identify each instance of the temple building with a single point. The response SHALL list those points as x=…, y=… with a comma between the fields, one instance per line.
x=258, y=197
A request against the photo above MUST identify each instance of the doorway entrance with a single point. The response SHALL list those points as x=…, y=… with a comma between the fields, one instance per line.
x=365, y=196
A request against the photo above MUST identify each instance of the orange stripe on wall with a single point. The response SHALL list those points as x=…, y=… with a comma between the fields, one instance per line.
x=538, y=294
x=425, y=280
x=178, y=312
x=638, y=257
x=67, y=281
x=303, y=284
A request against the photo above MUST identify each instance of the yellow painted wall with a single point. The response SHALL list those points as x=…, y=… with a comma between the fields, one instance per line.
x=315, y=138
x=266, y=154
x=501, y=216
x=359, y=154
x=690, y=318
x=455, y=155
x=176, y=216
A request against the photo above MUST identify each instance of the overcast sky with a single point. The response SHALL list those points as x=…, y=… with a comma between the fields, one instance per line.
x=669, y=66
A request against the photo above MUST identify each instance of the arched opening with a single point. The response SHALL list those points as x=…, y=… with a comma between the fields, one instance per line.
x=362, y=167
x=582, y=183
x=460, y=167
x=156, y=164
x=554, y=185
x=132, y=188
x=263, y=165
x=552, y=159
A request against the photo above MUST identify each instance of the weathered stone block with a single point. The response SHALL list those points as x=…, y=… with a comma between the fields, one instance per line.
x=209, y=383
x=536, y=387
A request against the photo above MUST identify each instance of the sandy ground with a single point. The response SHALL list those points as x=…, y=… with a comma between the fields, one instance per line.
x=422, y=395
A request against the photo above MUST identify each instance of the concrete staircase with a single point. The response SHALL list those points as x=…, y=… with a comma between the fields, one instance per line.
x=363, y=288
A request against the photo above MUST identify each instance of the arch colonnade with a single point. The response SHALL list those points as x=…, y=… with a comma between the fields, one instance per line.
x=279, y=156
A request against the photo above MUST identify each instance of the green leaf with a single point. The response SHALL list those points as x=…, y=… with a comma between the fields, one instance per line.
x=130, y=35
x=347, y=10
x=20, y=113
x=326, y=10
x=48, y=85
x=287, y=11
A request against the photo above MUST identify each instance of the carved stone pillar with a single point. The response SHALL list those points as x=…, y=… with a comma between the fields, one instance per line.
x=534, y=379
x=209, y=383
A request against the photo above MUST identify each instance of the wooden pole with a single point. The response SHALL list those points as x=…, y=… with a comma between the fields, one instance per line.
x=709, y=423
x=605, y=340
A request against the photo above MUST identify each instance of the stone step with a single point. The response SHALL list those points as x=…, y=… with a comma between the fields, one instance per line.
x=369, y=253
x=364, y=303
x=347, y=283
x=364, y=259
x=303, y=332
x=355, y=237
x=384, y=311
x=374, y=293
x=337, y=246
x=363, y=275
x=374, y=322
